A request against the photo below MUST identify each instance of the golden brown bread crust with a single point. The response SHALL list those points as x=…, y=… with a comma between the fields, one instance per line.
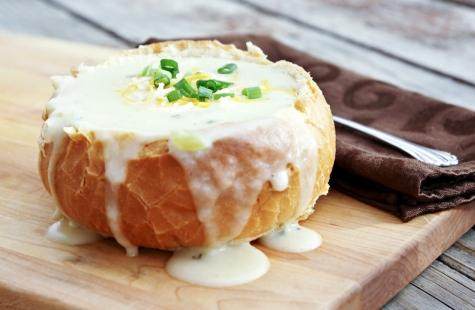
x=156, y=205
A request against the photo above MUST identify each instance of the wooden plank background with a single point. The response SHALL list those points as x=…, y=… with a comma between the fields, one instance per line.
x=421, y=45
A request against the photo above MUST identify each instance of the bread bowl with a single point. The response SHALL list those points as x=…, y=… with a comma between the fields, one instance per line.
x=124, y=160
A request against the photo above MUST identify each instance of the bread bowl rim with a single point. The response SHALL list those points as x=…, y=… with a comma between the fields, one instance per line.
x=308, y=102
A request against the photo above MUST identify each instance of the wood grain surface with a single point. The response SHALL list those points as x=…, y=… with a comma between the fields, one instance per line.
x=432, y=35
x=43, y=19
x=367, y=255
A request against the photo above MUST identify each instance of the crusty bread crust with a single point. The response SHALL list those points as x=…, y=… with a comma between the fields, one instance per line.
x=156, y=205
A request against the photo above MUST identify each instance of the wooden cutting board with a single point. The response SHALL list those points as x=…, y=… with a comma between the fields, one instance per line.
x=366, y=257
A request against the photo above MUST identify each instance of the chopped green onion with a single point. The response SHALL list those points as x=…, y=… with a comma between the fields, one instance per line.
x=227, y=68
x=170, y=65
x=204, y=93
x=214, y=85
x=252, y=92
x=186, y=89
x=160, y=77
x=217, y=96
x=174, y=95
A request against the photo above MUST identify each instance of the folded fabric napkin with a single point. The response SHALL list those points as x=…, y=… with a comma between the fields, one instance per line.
x=372, y=171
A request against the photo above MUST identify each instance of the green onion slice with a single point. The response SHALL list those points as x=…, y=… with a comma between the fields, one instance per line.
x=160, y=77
x=252, y=92
x=186, y=89
x=227, y=68
x=204, y=93
x=169, y=65
x=217, y=96
x=174, y=95
x=214, y=85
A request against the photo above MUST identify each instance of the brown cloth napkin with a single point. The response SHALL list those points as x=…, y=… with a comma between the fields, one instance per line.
x=370, y=170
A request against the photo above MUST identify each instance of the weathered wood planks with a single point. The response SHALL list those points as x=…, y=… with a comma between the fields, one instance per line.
x=437, y=35
x=40, y=18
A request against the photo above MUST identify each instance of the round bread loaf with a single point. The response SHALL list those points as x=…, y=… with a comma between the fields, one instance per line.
x=118, y=161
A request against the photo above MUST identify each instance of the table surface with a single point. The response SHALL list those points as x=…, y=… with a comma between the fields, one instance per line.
x=421, y=45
